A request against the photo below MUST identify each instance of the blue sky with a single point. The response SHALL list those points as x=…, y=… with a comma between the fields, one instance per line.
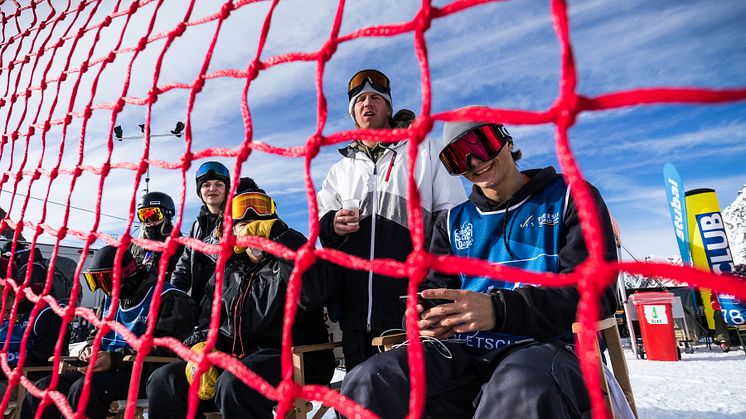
x=500, y=54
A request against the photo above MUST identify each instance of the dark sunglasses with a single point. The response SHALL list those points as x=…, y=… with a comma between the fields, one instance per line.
x=483, y=142
x=374, y=78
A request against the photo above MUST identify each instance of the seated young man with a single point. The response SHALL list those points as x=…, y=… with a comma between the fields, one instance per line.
x=111, y=376
x=252, y=312
x=506, y=349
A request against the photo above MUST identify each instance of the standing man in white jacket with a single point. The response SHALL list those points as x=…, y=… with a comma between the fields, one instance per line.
x=375, y=174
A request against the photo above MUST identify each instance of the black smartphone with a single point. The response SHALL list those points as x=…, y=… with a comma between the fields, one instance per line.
x=424, y=302
x=75, y=362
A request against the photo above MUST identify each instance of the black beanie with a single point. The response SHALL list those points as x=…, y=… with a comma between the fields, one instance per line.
x=247, y=184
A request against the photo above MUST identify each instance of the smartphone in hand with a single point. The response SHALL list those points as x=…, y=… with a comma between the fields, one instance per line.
x=74, y=361
x=426, y=304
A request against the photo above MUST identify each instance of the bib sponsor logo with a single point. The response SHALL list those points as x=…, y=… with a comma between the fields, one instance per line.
x=464, y=236
x=548, y=219
x=545, y=219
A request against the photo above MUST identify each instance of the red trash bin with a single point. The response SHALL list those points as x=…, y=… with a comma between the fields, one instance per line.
x=654, y=309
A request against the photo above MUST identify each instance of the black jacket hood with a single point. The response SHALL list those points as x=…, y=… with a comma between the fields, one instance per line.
x=538, y=179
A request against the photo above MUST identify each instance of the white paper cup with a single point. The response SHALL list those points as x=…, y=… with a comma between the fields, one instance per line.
x=352, y=205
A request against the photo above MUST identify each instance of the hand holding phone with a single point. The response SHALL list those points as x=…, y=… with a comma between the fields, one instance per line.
x=426, y=303
x=74, y=361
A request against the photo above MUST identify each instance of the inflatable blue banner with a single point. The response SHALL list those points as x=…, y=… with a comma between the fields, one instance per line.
x=677, y=205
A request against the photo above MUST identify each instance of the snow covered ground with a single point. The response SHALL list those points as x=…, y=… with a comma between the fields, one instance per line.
x=707, y=383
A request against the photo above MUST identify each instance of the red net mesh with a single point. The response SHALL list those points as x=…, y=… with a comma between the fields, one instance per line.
x=33, y=40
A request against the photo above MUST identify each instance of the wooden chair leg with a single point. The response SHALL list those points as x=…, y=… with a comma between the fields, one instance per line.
x=300, y=406
x=619, y=364
x=608, y=327
x=19, y=401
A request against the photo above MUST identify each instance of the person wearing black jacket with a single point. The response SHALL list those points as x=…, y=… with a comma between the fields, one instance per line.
x=195, y=268
x=495, y=347
x=251, y=317
x=111, y=375
x=45, y=328
x=155, y=211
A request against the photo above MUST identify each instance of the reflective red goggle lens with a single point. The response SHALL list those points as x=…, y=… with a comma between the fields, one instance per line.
x=150, y=214
x=375, y=78
x=261, y=204
x=483, y=142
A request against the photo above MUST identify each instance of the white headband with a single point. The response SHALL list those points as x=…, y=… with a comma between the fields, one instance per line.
x=367, y=88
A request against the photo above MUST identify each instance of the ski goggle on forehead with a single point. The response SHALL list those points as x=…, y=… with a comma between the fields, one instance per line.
x=150, y=214
x=105, y=279
x=214, y=166
x=261, y=204
x=375, y=78
x=483, y=142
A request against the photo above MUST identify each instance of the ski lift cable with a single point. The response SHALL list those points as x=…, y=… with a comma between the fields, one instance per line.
x=654, y=279
x=71, y=206
x=630, y=253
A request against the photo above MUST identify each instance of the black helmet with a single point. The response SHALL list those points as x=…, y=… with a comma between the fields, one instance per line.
x=212, y=170
x=99, y=274
x=158, y=199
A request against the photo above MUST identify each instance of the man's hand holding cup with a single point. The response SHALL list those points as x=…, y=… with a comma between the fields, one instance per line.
x=347, y=220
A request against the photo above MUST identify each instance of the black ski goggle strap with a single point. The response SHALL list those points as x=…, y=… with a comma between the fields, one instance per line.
x=375, y=78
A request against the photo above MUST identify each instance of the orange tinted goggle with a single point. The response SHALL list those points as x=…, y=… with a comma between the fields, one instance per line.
x=96, y=280
x=105, y=279
x=150, y=214
x=375, y=78
x=261, y=204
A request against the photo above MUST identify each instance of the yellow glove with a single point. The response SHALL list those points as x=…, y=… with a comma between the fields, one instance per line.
x=207, y=380
x=259, y=228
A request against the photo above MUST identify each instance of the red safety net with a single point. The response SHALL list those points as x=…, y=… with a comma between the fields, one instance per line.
x=27, y=43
